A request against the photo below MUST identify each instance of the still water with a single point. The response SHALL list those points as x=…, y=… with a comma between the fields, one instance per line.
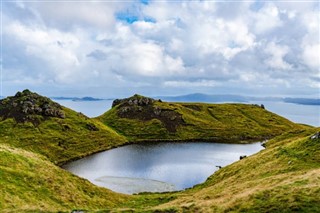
x=158, y=167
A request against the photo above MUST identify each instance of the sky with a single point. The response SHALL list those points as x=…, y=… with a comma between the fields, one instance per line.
x=118, y=48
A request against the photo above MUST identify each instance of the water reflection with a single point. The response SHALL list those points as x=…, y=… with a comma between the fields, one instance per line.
x=165, y=166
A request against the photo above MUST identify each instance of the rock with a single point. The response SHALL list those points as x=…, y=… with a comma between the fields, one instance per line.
x=27, y=106
x=315, y=136
x=263, y=143
x=136, y=100
x=78, y=211
x=145, y=109
x=116, y=102
x=242, y=157
x=157, y=111
x=173, y=117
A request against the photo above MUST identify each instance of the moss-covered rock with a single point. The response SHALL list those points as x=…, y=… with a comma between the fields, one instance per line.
x=28, y=106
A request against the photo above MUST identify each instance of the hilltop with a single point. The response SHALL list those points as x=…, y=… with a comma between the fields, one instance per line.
x=36, y=123
x=143, y=118
x=27, y=106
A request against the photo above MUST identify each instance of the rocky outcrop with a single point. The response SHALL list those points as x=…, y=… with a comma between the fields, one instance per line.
x=136, y=100
x=28, y=106
x=144, y=108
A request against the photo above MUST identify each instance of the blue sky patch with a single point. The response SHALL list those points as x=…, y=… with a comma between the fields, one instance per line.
x=127, y=17
x=145, y=2
x=149, y=19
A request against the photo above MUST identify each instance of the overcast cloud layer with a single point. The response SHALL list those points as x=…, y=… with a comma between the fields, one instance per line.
x=112, y=49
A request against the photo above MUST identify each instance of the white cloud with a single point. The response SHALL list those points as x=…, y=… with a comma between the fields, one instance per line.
x=267, y=19
x=57, y=49
x=277, y=53
x=311, y=41
x=311, y=56
x=66, y=15
x=172, y=44
x=147, y=59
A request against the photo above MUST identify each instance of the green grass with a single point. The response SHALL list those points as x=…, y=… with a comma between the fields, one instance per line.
x=61, y=140
x=31, y=183
x=211, y=122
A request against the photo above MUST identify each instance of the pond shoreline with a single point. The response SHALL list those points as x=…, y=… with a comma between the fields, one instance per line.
x=167, y=163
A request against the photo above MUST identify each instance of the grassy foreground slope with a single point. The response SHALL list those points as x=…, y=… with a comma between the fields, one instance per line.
x=142, y=118
x=35, y=123
x=31, y=183
x=285, y=177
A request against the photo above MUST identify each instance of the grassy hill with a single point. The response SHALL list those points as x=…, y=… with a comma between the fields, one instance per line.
x=285, y=177
x=35, y=123
x=31, y=183
x=142, y=118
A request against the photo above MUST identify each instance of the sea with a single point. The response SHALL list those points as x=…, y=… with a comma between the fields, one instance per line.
x=298, y=113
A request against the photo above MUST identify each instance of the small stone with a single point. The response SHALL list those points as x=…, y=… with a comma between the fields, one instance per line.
x=242, y=157
x=315, y=136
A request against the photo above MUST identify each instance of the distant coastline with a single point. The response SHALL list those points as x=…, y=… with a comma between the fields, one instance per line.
x=199, y=97
x=303, y=101
x=206, y=98
x=79, y=99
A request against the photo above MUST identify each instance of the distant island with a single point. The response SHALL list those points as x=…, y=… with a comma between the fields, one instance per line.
x=207, y=98
x=200, y=97
x=79, y=99
x=303, y=101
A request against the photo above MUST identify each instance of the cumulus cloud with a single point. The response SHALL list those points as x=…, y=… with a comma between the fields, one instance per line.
x=311, y=43
x=267, y=18
x=277, y=54
x=311, y=56
x=167, y=45
x=56, y=49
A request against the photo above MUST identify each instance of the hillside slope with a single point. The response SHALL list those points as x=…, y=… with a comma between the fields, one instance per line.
x=285, y=177
x=35, y=123
x=30, y=183
x=142, y=118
